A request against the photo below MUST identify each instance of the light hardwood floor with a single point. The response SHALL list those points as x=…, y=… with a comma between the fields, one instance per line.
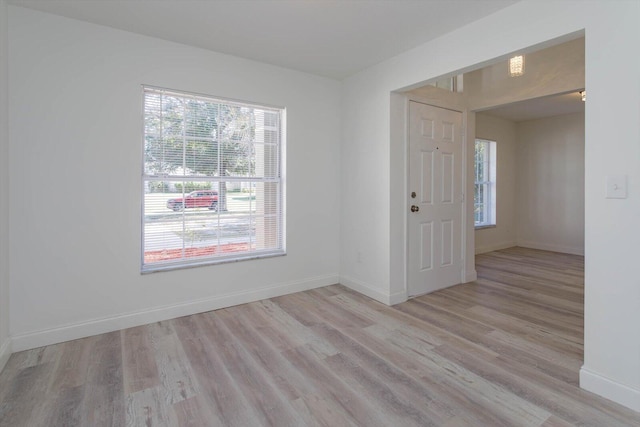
x=502, y=351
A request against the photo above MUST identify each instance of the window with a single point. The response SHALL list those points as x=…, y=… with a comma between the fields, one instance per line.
x=452, y=84
x=212, y=180
x=485, y=189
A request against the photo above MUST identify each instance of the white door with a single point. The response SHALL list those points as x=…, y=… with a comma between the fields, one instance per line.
x=435, y=198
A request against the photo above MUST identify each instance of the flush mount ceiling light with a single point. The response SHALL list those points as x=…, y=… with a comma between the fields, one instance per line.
x=516, y=66
x=583, y=95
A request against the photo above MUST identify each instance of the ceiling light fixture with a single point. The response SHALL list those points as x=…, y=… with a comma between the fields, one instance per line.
x=516, y=66
x=583, y=95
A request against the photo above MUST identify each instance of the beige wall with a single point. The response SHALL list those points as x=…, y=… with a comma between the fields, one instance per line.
x=540, y=183
x=504, y=234
x=551, y=183
x=549, y=71
x=524, y=203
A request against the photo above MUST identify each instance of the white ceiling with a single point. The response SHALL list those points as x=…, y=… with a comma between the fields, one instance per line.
x=540, y=107
x=332, y=38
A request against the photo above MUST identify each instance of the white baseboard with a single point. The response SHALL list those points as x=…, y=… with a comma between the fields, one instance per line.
x=605, y=387
x=5, y=353
x=470, y=276
x=496, y=247
x=397, y=298
x=365, y=289
x=69, y=332
x=551, y=247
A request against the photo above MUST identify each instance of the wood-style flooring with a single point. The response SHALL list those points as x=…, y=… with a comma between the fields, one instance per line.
x=502, y=351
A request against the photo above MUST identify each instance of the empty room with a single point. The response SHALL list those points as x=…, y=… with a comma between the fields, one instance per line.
x=270, y=213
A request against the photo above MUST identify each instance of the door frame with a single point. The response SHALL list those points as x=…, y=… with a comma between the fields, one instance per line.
x=399, y=194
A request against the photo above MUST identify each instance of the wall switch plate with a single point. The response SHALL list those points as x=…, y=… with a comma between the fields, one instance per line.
x=616, y=187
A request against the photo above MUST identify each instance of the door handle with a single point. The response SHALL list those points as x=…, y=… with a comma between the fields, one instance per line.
x=414, y=208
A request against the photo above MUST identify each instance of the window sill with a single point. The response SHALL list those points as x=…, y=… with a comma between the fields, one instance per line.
x=160, y=267
x=482, y=227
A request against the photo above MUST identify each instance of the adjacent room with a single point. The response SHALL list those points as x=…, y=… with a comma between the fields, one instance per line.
x=208, y=213
x=535, y=192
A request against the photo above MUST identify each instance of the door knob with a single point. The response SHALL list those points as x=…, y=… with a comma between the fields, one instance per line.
x=414, y=208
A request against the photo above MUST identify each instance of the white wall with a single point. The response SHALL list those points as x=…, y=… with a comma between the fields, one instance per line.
x=364, y=248
x=75, y=112
x=5, y=342
x=371, y=173
x=551, y=183
x=504, y=234
x=612, y=126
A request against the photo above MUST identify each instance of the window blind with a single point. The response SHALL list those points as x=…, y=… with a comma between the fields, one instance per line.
x=212, y=180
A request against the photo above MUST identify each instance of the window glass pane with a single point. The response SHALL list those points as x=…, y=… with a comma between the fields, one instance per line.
x=237, y=158
x=201, y=119
x=172, y=115
x=201, y=157
x=163, y=155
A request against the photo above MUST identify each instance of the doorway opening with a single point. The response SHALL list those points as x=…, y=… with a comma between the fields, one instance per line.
x=553, y=78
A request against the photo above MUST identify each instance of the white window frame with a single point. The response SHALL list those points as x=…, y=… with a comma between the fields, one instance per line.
x=272, y=224
x=485, y=177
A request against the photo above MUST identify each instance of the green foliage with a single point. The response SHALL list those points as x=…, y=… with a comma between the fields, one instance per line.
x=158, y=187
x=211, y=139
x=192, y=186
